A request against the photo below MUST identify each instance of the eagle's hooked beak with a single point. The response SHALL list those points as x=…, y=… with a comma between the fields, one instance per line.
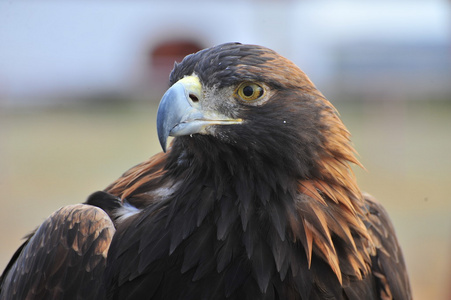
x=180, y=111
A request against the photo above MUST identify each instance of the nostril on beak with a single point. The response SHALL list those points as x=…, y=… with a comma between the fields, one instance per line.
x=193, y=98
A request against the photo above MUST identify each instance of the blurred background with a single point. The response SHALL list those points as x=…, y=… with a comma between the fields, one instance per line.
x=80, y=83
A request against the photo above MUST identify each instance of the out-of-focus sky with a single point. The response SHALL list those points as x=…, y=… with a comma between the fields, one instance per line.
x=49, y=47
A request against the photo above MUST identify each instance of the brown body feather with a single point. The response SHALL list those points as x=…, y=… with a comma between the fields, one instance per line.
x=63, y=259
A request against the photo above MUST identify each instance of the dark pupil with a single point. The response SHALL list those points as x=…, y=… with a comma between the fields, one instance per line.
x=248, y=91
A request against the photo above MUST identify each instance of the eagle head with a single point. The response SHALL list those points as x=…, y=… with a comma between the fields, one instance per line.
x=251, y=101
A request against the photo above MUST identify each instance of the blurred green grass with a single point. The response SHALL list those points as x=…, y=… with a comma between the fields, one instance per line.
x=53, y=157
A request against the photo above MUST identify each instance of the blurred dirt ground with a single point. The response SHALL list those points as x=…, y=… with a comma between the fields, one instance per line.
x=54, y=157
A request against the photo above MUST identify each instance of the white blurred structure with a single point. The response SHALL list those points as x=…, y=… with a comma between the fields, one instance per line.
x=81, y=48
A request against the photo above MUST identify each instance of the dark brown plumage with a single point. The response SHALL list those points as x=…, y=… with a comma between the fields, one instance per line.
x=254, y=199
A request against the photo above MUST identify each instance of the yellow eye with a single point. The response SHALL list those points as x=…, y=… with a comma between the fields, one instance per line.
x=249, y=91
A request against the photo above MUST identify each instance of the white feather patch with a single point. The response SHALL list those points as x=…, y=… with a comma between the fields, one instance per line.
x=126, y=211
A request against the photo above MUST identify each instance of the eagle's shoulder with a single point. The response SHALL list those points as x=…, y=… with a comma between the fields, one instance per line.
x=63, y=258
x=388, y=264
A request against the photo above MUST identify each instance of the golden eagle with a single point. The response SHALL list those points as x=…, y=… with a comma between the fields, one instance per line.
x=253, y=199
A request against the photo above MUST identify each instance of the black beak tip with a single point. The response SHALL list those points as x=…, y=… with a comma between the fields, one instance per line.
x=163, y=133
x=163, y=142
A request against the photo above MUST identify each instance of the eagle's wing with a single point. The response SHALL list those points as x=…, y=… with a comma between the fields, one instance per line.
x=64, y=259
x=388, y=264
